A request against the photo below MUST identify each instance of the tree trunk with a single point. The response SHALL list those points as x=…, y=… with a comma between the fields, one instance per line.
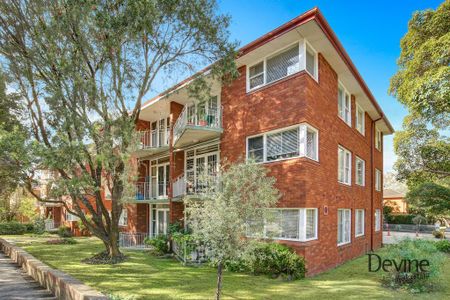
x=219, y=280
x=114, y=246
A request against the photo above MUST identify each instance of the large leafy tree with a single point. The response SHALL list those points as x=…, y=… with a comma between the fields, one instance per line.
x=422, y=84
x=222, y=217
x=82, y=69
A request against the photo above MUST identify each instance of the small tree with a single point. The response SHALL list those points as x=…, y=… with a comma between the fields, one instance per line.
x=221, y=220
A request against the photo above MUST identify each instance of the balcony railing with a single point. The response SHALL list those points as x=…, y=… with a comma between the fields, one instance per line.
x=182, y=187
x=156, y=138
x=207, y=118
x=145, y=191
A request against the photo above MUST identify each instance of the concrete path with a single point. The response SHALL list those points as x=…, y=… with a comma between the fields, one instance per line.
x=17, y=285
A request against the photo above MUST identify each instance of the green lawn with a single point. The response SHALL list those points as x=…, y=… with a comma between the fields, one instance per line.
x=145, y=277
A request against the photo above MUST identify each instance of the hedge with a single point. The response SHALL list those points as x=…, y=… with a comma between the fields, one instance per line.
x=12, y=228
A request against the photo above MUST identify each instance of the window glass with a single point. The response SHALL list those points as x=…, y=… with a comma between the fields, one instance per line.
x=282, y=145
x=256, y=75
x=310, y=61
x=256, y=148
x=311, y=142
x=283, y=64
x=344, y=216
x=311, y=223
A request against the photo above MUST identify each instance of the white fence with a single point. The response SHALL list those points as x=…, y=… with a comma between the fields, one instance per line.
x=132, y=240
x=410, y=228
x=50, y=225
x=190, y=252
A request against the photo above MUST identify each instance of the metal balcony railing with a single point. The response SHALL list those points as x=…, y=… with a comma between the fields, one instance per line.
x=154, y=138
x=206, y=118
x=182, y=187
x=145, y=191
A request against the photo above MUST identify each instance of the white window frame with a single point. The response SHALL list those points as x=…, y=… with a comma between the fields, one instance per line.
x=345, y=151
x=378, y=139
x=377, y=216
x=360, y=121
x=377, y=180
x=122, y=220
x=306, y=45
x=301, y=225
x=347, y=111
x=359, y=219
x=363, y=179
x=302, y=64
x=302, y=129
x=345, y=240
x=71, y=217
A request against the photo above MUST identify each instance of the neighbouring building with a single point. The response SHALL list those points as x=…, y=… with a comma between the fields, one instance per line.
x=396, y=200
x=301, y=109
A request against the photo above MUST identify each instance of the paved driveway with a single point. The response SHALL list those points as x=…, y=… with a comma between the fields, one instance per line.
x=17, y=285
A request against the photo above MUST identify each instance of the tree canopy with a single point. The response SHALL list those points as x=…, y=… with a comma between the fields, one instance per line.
x=82, y=70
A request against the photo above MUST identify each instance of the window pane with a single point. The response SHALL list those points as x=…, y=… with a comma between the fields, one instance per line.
x=283, y=64
x=310, y=223
x=341, y=102
x=256, y=148
x=256, y=81
x=290, y=219
x=282, y=145
x=311, y=150
x=310, y=62
x=256, y=75
x=256, y=69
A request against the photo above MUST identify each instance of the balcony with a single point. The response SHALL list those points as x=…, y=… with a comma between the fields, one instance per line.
x=152, y=142
x=145, y=191
x=197, y=123
x=183, y=187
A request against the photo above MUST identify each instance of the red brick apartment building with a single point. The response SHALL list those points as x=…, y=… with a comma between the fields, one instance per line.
x=302, y=110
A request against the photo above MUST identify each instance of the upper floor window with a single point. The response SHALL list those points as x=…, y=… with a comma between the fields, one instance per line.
x=378, y=138
x=344, y=105
x=360, y=171
x=344, y=166
x=360, y=122
x=377, y=180
x=283, y=63
x=296, y=141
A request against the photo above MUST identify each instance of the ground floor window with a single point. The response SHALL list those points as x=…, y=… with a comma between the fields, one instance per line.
x=359, y=222
x=377, y=220
x=344, y=226
x=159, y=219
x=123, y=219
x=299, y=224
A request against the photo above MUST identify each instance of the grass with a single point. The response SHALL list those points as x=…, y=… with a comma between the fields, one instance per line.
x=146, y=277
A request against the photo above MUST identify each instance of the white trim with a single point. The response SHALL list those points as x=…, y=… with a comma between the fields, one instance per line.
x=316, y=60
x=302, y=151
x=378, y=138
x=357, y=211
x=377, y=180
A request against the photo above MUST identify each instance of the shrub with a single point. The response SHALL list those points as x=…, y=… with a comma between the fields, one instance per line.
x=63, y=241
x=64, y=232
x=29, y=227
x=12, y=228
x=276, y=260
x=401, y=219
x=159, y=243
x=414, y=279
x=443, y=246
x=439, y=234
x=39, y=226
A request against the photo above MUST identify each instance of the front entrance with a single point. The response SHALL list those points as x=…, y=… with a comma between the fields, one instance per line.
x=159, y=219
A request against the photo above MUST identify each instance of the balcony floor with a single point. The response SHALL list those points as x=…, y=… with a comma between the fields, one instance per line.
x=140, y=153
x=195, y=134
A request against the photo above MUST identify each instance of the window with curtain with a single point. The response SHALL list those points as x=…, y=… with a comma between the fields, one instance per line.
x=344, y=229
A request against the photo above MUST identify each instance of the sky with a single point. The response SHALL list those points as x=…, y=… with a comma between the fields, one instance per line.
x=370, y=32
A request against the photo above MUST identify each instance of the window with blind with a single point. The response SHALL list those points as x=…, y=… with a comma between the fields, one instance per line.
x=288, y=61
x=377, y=180
x=344, y=226
x=344, y=105
x=296, y=141
x=378, y=138
x=359, y=222
x=291, y=224
x=344, y=166
x=377, y=219
x=360, y=171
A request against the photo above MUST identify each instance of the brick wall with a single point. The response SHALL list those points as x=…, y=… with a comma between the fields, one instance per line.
x=303, y=182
